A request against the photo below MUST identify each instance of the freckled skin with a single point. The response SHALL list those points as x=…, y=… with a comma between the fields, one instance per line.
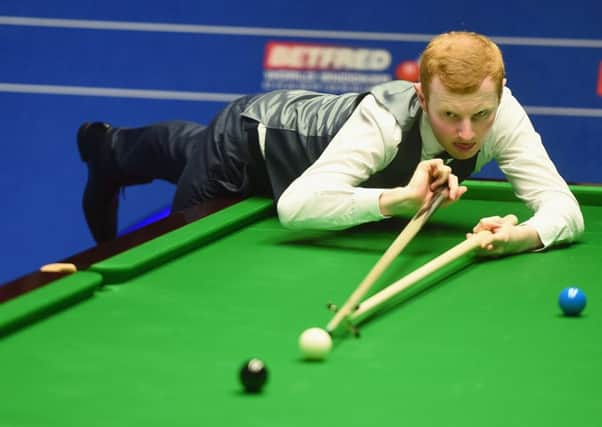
x=460, y=122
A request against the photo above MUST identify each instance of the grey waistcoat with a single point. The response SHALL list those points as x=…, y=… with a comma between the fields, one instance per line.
x=300, y=124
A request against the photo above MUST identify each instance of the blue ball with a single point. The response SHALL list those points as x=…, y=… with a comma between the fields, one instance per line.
x=572, y=301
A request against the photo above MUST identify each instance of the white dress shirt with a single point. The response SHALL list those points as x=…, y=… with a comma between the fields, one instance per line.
x=327, y=196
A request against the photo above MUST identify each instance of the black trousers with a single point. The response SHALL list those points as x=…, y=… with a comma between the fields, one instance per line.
x=205, y=162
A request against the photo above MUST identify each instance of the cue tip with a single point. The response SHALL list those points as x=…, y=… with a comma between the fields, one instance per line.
x=355, y=331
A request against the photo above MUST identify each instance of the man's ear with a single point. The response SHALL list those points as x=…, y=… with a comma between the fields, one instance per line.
x=421, y=98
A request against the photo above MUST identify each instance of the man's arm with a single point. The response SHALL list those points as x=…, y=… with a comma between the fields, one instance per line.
x=523, y=159
x=327, y=195
x=507, y=236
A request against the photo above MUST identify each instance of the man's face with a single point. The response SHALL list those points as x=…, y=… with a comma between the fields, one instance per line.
x=460, y=122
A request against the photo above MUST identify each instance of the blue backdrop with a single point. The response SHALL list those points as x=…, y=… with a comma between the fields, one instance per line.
x=131, y=63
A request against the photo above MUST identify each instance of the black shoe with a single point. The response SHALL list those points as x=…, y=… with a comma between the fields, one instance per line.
x=100, y=200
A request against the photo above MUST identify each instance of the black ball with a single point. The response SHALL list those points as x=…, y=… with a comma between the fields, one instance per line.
x=253, y=375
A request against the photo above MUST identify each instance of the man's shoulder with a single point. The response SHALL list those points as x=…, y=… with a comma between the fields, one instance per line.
x=511, y=121
x=510, y=111
x=393, y=87
x=293, y=109
x=400, y=99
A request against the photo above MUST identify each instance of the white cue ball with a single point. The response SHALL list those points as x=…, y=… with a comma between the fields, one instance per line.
x=315, y=344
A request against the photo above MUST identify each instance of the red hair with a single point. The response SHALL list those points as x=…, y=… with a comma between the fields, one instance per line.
x=461, y=60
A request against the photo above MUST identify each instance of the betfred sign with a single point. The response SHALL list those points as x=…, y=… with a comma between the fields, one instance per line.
x=305, y=56
x=323, y=67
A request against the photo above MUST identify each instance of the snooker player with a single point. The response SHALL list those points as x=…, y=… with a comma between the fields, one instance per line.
x=335, y=161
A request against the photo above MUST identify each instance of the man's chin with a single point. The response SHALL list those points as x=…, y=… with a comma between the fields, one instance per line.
x=464, y=151
x=462, y=155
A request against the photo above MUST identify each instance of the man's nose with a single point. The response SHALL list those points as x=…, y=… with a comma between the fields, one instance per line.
x=465, y=130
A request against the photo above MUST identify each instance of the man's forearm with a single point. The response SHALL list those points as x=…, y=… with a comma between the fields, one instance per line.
x=397, y=202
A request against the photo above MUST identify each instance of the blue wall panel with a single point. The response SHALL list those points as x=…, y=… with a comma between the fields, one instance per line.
x=41, y=177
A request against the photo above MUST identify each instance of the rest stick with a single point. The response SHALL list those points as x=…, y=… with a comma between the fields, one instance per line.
x=379, y=299
x=406, y=235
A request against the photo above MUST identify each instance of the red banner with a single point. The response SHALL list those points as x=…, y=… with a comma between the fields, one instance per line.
x=600, y=80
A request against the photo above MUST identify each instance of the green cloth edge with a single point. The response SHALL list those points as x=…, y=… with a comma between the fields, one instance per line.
x=46, y=300
x=502, y=191
x=164, y=248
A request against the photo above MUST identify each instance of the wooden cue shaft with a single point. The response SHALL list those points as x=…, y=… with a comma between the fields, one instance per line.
x=406, y=235
x=379, y=299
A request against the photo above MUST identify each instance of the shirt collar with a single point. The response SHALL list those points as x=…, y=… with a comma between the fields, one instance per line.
x=430, y=145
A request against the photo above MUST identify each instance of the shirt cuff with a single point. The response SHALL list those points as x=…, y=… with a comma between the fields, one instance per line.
x=548, y=233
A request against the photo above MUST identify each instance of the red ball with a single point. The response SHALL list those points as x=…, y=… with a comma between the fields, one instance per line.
x=408, y=70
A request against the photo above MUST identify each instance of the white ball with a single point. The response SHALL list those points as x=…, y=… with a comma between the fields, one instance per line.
x=315, y=344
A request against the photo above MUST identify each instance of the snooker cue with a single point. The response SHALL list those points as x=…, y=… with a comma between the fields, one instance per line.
x=378, y=300
x=406, y=235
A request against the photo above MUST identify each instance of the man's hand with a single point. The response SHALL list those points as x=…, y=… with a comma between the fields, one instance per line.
x=429, y=175
x=506, y=237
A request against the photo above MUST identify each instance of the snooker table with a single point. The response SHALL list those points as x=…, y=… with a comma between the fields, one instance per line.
x=155, y=335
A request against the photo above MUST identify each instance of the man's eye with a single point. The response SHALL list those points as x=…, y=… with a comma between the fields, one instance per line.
x=450, y=115
x=481, y=114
